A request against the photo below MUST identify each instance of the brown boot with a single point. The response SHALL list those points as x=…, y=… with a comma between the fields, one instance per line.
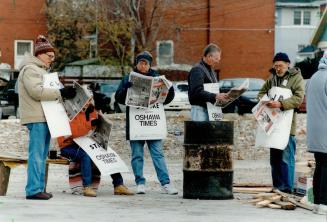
x=122, y=190
x=89, y=192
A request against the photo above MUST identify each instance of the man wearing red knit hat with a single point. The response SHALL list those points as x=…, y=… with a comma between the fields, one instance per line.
x=31, y=93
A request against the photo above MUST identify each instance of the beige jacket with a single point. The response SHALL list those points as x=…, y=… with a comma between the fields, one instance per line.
x=31, y=91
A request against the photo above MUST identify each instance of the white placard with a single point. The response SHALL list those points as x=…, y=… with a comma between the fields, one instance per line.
x=215, y=113
x=279, y=137
x=147, y=123
x=54, y=111
x=107, y=161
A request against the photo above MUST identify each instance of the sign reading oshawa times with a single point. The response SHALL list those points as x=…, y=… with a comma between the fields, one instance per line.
x=148, y=123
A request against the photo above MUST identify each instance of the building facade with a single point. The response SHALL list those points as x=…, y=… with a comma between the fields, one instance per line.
x=296, y=22
x=243, y=29
x=20, y=23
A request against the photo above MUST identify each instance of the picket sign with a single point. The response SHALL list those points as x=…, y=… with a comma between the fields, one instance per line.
x=54, y=111
x=215, y=113
x=279, y=137
x=107, y=161
x=147, y=123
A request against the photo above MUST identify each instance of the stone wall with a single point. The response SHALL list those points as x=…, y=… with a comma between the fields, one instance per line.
x=14, y=137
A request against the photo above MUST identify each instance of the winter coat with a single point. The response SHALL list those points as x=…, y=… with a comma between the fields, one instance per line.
x=295, y=83
x=31, y=91
x=316, y=102
x=121, y=93
x=201, y=73
x=80, y=126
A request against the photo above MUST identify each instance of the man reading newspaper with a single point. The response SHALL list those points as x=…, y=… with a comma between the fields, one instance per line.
x=282, y=161
x=147, y=121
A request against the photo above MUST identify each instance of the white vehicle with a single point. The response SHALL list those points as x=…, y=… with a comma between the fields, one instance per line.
x=180, y=100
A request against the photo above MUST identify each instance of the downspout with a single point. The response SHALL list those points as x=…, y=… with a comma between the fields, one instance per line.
x=208, y=21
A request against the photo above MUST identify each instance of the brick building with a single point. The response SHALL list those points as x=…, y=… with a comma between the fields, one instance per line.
x=243, y=29
x=20, y=23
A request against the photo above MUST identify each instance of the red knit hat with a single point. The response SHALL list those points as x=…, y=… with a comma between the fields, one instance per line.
x=42, y=45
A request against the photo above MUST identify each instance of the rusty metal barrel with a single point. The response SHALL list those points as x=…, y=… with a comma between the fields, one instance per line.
x=208, y=166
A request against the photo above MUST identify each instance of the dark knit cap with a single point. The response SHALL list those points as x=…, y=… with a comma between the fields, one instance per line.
x=42, y=45
x=281, y=57
x=145, y=55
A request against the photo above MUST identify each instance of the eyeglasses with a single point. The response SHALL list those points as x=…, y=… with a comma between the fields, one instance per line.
x=52, y=57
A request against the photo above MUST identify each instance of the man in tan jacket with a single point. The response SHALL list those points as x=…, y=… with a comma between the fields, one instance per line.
x=31, y=93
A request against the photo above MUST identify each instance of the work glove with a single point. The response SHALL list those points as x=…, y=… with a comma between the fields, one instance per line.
x=95, y=122
x=127, y=85
x=68, y=92
x=89, y=110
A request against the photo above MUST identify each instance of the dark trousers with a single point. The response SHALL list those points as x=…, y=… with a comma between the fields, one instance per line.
x=282, y=164
x=320, y=179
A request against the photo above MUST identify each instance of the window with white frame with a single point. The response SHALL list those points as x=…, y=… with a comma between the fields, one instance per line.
x=21, y=48
x=297, y=18
x=165, y=52
x=306, y=18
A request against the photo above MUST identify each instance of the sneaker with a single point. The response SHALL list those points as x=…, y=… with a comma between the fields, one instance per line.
x=38, y=196
x=322, y=209
x=122, y=190
x=89, y=192
x=169, y=189
x=140, y=189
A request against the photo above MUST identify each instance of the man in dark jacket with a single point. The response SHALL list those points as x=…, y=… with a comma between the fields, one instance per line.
x=200, y=74
x=283, y=161
x=143, y=64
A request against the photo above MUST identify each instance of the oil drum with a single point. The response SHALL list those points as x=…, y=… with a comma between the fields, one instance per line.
x=208, y=167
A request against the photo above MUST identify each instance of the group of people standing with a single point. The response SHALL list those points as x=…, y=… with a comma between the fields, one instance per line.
x=31, y=93
x=281, y=75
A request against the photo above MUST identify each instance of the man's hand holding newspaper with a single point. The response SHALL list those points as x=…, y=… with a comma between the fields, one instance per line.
x=224, y=99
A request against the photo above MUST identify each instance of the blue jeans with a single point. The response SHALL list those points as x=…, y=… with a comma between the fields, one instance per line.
x=199, y=113
x=38, y=148
x=283, y=166
x=158, y=159
x=75, y=153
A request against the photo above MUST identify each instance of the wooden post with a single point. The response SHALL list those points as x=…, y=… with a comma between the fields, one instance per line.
x=4, y=178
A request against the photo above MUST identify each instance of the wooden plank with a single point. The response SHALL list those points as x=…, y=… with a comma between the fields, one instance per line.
x=263, y=203
x=253, y=190
x=285, y=205
x=274, y=206
x=4, y=179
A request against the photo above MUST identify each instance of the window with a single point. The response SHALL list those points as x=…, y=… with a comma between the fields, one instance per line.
x=297, y=18
x=165, y=52
x=21, y=48
x=306, y=18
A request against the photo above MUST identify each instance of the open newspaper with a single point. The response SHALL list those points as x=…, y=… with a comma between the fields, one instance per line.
x=266, y=117
x=96, y=145
x=146, y=90
x=233, y=94
x=75, y=105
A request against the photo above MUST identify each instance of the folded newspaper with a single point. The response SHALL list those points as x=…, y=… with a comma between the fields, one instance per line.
x=75, y=105
x=233, y=94
x=147, y=90
x=267, y=117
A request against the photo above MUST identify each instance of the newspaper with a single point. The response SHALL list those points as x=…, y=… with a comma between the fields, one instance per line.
x=146, y=90
x=266, y=117
x=214, y=112
x=75, y=105
x=102, y=133
x=233, y=94
x=279, y=136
